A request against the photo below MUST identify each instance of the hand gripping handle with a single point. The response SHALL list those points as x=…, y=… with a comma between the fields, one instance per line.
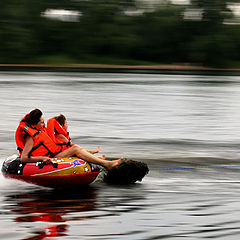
x=42, y=164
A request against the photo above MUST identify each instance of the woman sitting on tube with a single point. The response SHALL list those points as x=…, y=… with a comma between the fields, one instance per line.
x=34, y=144
x=57, y=129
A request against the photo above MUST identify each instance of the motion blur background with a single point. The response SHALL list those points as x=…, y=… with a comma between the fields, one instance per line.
x=184, y=125
x=198, y=32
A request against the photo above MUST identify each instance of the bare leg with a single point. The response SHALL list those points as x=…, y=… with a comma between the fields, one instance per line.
x=85, y=155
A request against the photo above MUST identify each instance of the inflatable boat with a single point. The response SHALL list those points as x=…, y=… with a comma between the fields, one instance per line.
x=62, y=172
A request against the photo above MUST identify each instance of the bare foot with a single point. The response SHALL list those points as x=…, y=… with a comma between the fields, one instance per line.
x=114, y=163
x=103, y=157
x=94, y=150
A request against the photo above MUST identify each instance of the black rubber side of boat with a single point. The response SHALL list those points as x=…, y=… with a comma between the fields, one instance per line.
x=129, y=171
x=13, y=167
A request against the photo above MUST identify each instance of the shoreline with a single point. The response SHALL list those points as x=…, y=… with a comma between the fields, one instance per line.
x=116, y=67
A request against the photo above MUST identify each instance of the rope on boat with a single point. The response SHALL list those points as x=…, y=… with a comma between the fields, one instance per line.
x=187, y=168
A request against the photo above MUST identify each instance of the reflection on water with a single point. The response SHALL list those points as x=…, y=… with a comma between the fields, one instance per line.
x=165, y=206
x=49, y=213
x=191, y=204
x=52, y=207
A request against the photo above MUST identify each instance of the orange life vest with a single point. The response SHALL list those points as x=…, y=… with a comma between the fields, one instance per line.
x=43, y=145
x=54, y=127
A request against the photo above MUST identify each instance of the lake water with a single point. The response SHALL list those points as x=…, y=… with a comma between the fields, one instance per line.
x=185, y=127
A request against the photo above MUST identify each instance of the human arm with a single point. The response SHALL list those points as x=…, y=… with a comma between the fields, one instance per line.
x=64, y=139
x=30, y=159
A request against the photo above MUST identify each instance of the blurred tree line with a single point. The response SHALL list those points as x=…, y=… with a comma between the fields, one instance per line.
x=203, y=32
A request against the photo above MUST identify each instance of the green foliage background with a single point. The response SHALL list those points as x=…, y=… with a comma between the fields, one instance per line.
x=105, y=34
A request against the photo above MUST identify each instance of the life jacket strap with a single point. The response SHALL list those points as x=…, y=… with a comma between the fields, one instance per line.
x=69, y=142
x=36, y=134
x=49, y=153
x=19, y=149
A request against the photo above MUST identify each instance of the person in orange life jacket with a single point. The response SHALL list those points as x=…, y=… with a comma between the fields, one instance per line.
x=57, y=131
x=63, y=135
x=35, y=133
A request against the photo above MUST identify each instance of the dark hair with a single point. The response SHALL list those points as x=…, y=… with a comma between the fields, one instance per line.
x=61, y=119
x=33, y=117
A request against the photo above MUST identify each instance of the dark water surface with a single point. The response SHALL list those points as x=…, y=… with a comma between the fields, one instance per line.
x=185, y=127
